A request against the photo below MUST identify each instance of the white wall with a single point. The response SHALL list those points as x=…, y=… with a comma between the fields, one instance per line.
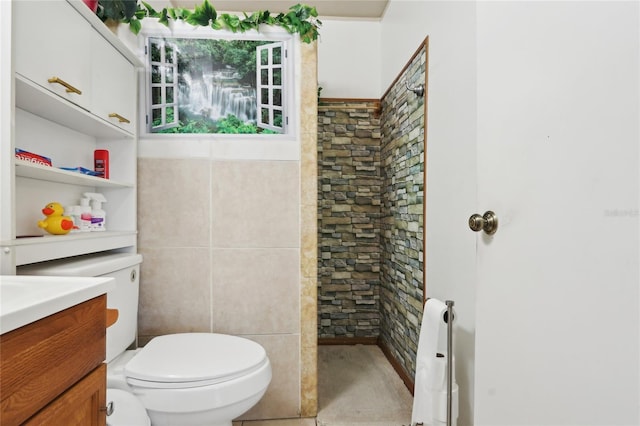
x=451, y=162
x=349, y=59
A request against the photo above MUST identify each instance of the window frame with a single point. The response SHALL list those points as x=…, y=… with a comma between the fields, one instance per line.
x=270, y=86
x=184, y=31
x=162, y=65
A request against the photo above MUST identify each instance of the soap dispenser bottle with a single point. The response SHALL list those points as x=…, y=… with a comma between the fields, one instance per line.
x=98, y=216
x=85, y=215
x=74, y=213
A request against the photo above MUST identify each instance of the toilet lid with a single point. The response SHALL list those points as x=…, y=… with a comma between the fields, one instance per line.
x=127, y=409
x=191, y=358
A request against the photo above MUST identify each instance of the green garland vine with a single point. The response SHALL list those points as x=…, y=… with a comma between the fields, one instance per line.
x=301, y=19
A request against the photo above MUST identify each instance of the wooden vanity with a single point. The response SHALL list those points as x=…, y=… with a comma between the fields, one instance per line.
x=52, y=370
x=52, y=350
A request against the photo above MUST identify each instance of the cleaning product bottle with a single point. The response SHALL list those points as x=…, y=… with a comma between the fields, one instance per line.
x=85, y=215
x=98, y=216
x=74, y=213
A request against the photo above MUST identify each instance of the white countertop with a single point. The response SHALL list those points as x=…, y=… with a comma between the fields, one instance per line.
x=25, y=299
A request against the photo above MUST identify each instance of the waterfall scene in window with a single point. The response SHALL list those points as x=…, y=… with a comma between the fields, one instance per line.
x=215, y=86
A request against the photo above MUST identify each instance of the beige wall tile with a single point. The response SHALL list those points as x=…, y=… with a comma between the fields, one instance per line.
x=309, y=181
x=309, y=73
x=309, y=242
x=256, y=291
x=309, y=236
x=255, y=204
x=282, y=398
x=309, y=348
x=173, y=202
x=174, y=291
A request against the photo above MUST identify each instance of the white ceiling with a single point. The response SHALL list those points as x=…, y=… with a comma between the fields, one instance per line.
x=333, y=8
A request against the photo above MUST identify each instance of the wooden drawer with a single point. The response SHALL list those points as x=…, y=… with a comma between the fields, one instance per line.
x=41, y=360
x=82, y=405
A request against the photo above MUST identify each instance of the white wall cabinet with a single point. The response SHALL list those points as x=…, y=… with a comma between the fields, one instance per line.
x=63, y=38
x=51, y=40
x=113, y=81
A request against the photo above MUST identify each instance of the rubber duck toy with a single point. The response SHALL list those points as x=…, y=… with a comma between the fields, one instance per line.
x=55, y=223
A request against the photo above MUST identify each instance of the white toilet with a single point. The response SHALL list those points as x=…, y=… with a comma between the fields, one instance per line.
x=188, y=379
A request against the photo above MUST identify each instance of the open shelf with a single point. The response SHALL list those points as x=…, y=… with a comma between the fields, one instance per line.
x=41, y=117
x=37, y=100
x=53, y=174
x=50, y=247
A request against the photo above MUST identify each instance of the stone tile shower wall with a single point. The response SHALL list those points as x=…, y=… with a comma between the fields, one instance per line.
x=349, y=206
x=371, y=216
x=402, y=158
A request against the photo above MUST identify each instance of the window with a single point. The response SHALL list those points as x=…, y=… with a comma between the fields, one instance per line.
x=269, y=69
x=205, y=85
x=164, y=85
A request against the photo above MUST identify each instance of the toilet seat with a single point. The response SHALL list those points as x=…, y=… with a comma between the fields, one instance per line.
x=189, y=360
x=127, y=409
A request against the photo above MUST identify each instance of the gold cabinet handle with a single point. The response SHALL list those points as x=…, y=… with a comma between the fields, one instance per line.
x=120, y=118
x=70, y=88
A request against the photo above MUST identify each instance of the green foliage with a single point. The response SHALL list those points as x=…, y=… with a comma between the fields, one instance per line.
x=118, y=10
x=198, y=124
x=188, y=123
x=191, y=125
x=240, y=54
x=233, y=125
x=127, y=11
x=202, y=15
x=301, y=19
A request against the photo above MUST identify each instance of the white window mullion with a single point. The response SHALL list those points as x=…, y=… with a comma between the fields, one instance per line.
x=268, y=105
x=163, y=65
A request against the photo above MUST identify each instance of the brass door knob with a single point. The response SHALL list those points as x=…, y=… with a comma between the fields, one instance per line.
x=487, y=222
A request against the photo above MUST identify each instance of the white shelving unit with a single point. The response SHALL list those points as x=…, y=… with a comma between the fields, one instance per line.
x=46, y=119
x=52, y=174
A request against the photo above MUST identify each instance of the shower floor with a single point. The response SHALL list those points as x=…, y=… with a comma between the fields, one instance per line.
x=356, y=387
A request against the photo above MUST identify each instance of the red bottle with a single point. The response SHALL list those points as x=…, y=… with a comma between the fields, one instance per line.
x=92, y=4
x=101, y=162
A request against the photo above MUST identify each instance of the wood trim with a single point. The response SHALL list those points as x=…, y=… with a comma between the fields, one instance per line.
x=347, y=341
x=326, y=104
x=82, y=404
x=424, y=44
x=347, y=100
x=424, y=173
x=112, y=316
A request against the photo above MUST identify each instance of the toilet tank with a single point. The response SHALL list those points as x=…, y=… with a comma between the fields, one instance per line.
x=125, y=269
